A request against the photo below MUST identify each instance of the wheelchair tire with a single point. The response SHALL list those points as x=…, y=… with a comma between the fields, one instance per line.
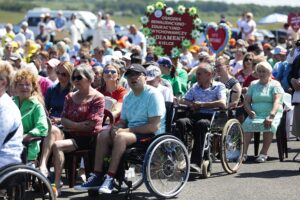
x=166, y=166
x=20, y=177
x=232, y=146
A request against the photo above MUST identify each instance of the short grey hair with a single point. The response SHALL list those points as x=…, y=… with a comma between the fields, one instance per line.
x=264, y=65
x=208, y=67
x=85, y=71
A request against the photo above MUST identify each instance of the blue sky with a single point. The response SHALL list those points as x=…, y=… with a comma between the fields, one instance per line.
x=264, y=2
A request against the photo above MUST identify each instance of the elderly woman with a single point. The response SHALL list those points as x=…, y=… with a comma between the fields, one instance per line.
x=263, y=103
x=111, y=88
x=54, y=100
x=81, y=117
x=11, y=131
x=62, y=51
x=31, y=104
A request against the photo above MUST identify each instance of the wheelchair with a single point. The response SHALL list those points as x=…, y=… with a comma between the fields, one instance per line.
x=224, y=140
x=21, y=182
x=161, y=162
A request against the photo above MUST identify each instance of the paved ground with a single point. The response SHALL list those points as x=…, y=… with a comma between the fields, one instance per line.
x=271, y=180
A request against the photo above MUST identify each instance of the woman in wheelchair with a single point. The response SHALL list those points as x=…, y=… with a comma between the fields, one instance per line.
x=263, y=103
x=11, y=131
x=146, y=121
x=81, y=118
x=31, y=104
x=202, y=98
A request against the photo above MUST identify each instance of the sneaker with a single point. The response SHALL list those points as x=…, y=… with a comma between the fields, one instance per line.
x=107, y=186
x=93, y=182
x=262, y=158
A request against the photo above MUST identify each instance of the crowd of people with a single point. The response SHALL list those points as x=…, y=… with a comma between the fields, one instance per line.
x=59, y=91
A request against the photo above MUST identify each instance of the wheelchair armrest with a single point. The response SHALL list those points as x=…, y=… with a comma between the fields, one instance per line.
x=27, y=141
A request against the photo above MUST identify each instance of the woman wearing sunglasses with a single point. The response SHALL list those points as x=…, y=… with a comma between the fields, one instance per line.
x=81, y=118
x=111, y=87
x=54, y=101
x=247, y=69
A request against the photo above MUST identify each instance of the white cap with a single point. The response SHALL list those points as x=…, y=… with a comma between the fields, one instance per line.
x=152, y=72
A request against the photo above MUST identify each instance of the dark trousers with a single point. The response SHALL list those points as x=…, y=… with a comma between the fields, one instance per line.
x=198, y=124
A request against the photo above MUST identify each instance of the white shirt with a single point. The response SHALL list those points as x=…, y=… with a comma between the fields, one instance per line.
x=236, y=66
x=247, y=26
x=29, y=35
x=10, y=120
x=166, y=92
x=139, y=38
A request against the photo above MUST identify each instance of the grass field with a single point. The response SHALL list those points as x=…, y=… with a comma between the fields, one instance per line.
x=15, y=17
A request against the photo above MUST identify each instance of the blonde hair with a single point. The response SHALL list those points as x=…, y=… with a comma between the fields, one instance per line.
x=6, y=72
x=25, y=74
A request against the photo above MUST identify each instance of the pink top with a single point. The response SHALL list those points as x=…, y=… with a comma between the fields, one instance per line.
x=92, y=110
x=44, y=84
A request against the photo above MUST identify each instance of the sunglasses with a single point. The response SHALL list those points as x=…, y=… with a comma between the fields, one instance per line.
x=78, y=78
x=63, y=74
x=248, y=59
x=107, y=71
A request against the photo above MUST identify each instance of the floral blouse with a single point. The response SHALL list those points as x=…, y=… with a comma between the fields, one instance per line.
x=92, y=110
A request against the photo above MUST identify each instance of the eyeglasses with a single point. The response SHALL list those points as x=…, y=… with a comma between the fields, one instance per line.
x=63, y=74
x=107, y=71
x=78, y=78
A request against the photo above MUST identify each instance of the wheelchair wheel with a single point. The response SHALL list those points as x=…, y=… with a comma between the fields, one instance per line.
x=166, y=167
x=232, y=146
x=17, y=183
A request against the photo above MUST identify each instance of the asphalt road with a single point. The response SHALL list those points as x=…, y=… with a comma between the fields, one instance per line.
x=271, y=180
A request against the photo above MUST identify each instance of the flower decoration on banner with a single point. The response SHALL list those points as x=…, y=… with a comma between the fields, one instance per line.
x=146, y=31
x=158, y=50
x=144, y=19
x=195, y=34
x=217, y=36
x=150, y=9
x=170, y=29
x=175, y=52
x=192, y=11
x=169, y=11
x=160, y=5
x=151, y=41
x=181, y=9
x=197, y=22
x=186, y=43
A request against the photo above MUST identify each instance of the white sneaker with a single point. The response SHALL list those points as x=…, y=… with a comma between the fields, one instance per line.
x=262, y=158
x=107, y=186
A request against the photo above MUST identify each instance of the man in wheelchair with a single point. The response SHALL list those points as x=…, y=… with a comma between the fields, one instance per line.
x=202, y=98
x=142, y=116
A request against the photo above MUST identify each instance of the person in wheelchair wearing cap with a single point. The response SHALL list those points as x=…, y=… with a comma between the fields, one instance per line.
x=142, y=117
x=201, y=98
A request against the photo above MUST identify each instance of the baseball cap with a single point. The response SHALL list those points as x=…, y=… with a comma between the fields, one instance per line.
x=127, y=56
x=195, y=49
x=15, y=56
x=135, y=68
x=53, y=62
x=241, y=42
x=152, y=72
x=24, y=23
x=267, y=46
x=203, y=54
x=165, y=61
x=279, y=50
